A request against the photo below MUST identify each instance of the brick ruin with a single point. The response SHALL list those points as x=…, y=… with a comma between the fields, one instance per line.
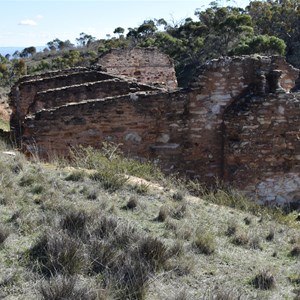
x=238, y=121
x=147, y=65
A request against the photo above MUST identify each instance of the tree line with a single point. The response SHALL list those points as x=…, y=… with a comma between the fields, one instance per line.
x=269, y=27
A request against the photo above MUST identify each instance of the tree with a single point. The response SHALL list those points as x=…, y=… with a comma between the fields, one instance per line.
x=147, y=28
x=119, y=30
x=85, y=39
x=65, y=45
x=16, y=54
x=58, y=44
x=261, y=44
x=225, y=27
x=28, y=51
x=279, y=18
x=53, y=45
x=132, y=36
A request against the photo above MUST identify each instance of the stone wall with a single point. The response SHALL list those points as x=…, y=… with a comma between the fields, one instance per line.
x=23, y=92
x=147, y=125
x=90, y=90
x=262, y=146
x=147, y=65
x=238, y=121
x=218, y=84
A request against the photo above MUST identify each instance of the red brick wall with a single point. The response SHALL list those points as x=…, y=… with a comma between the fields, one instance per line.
x=147, y=65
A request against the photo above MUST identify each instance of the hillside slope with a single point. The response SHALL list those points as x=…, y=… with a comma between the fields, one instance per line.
x=91, y=229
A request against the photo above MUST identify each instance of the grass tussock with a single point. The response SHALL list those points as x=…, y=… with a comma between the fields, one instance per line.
x=204, y=242
x=264, y=280
x=57, y=253
x=65, y=288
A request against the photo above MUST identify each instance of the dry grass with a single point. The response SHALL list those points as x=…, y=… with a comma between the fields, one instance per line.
x=70, y=236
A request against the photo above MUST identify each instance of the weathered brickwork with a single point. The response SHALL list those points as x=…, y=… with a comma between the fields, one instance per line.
x=91, y=90
x=23, y=93
x=262, y=146
x=147, y=65
x=134, y=122
x=238, y=121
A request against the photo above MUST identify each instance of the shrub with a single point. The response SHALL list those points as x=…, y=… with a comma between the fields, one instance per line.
x=37, y=189
x=204, y=243
x=178, y=196
x=255, y=243
x=294, y=278
x=142, y=188
x=27, y=180
x=124, y=235
x=65, y=288
x=119, y=233
x=104, y=226
x=247, y=220
x=185, y=231
x=264, y=280
x=109, y=179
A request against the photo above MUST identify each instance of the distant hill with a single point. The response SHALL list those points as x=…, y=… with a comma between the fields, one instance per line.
x=12, y=50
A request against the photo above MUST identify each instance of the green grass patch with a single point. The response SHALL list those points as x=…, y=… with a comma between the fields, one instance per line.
x=4, y=125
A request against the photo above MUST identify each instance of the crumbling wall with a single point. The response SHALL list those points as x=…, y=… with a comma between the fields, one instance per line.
x=218, y=84
x=147, y=125
x=262, y=146
x=90, y=90
x=23, y=92
x=147, y=65
x=238, y=122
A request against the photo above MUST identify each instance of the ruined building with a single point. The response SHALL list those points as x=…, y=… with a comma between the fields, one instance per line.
x=238, y=121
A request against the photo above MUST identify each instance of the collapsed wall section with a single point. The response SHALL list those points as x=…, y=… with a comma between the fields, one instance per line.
x=147, y=65
x=91, y=90
x=23, y=92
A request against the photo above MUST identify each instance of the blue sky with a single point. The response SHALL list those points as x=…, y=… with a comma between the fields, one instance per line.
x=34, y=23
